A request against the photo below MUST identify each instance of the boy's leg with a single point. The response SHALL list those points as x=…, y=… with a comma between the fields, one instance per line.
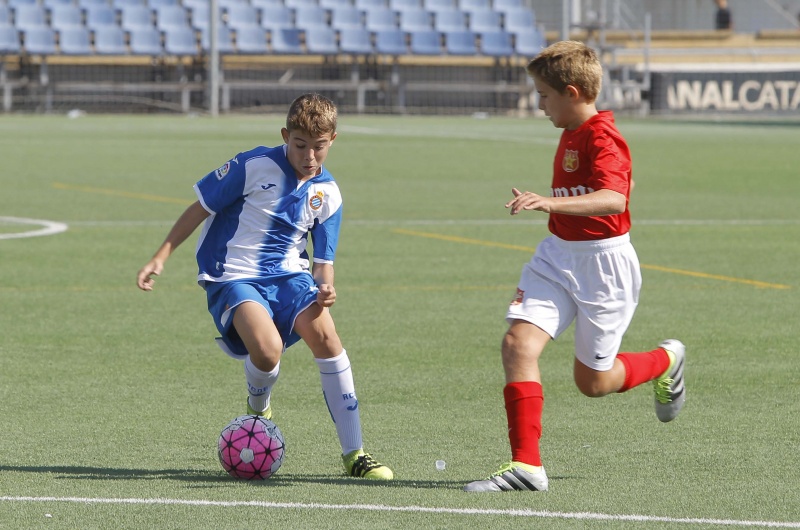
x=255, y=327
x=317, y=329
x=663, y=366
x=522, y=346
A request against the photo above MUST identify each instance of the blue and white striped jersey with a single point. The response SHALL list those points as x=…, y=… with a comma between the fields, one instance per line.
x=261, y=216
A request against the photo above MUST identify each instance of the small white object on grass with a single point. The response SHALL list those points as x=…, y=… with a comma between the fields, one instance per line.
x=440, y=465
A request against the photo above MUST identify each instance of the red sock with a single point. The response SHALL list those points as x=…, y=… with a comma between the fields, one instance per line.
x=643, y=367
x=524, y=401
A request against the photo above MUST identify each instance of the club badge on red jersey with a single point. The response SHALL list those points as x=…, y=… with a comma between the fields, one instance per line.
x=570, y=161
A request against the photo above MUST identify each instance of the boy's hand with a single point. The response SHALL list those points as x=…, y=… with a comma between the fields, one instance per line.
x=144, y=279
x=326, y=295
x=528, y=201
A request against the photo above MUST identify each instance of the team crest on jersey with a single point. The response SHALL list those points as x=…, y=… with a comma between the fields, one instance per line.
x=518, y=297
x=570, y=161
x=221, y=172
x=315, y=202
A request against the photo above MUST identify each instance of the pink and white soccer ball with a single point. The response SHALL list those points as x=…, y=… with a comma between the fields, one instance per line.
x=251, y=448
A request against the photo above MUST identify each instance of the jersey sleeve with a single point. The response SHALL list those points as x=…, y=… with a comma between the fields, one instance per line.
x=325, y=232
x=611, y=164
x=223, y=186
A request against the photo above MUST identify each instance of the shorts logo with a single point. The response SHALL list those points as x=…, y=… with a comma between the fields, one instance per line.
x=518, y=297
x=570, y=162
x=315, y=202
x=221, y=172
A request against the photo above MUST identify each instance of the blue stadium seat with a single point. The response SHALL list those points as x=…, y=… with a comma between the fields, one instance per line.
x=136, y=17
x=145, y=41
x=9, y=40
x=29, y=16
x=110, y=40
x=496, y=44
x=251, y=40
x=75, y=40
x=438, y=5
x=321, y=40
x=100, y=15
x=425, y=42
x=357, y=41
x=505, y=5
x=369, y=4
x=171, y=16
x=258, y=4
x=346, y=18
x=300, y=3
x=286, y=40
x=5, y=15
x=64, y=16
x=460, y=43
x=224, y=39
x=481, y=21
x=473, y=5
x=449, y=20
x=200, y=15
x=121, y=4
x=380, y=19
x=180, y=41
x=415, y=20
x=404, y=5
x=241, y=16
x=40, y=40
x=276, y=17
x=49, y=4
x=14, y=3
x=310, y=17
x=157, y=4
x=225, y=4
x=529, y=43
x=391, y=42
x=333, y=4
x=83, y=4
x=517, y=20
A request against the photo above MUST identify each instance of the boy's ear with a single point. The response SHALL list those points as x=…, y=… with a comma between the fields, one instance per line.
x=285, y=135
x=573, y=91
x=333, y=137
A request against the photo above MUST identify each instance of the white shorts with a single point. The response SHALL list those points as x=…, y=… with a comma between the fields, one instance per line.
x=595, y=283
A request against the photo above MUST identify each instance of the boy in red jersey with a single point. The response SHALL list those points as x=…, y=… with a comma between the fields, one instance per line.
x=587, y=271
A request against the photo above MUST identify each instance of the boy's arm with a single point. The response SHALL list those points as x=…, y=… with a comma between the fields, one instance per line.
x=182, y=229
x=323, y=276
x=596, y=203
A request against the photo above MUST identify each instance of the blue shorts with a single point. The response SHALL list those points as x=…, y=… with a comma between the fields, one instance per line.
x=284, y=298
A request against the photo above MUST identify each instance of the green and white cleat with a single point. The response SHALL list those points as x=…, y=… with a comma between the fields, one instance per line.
x=266, y=414
x=361, y=464
x=512, y=476
x=669, y=388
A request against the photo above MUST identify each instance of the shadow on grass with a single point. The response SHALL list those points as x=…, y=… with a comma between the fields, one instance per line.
x=206, y=477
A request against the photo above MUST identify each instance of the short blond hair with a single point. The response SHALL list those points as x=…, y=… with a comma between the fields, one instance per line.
x=569, y=62
x=313, y=114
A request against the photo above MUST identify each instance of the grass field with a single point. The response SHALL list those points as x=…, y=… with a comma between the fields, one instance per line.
x=111, y=399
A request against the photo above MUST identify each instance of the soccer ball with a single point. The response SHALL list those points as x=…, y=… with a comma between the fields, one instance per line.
x=251, y=447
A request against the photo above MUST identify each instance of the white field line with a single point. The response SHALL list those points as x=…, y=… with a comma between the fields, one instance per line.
x=488, y=222
x=543, y=514
x=48, y=227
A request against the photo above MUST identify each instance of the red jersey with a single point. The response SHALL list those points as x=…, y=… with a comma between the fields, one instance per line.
x=594, y=156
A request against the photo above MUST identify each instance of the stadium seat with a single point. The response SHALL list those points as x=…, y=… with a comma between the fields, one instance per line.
x=473, y=5
x=482, y=21
x=369, y=4
x=505, y=5
x=496, y=44
x=225, y=4
x=145, y=41
x=75, y=40
x=460, y=43
x=14, y=3
x=415, y=20
x=517, y=20
x=49, y=4
x=449, y=20
x=171, y=16
x=157, y=4
x=357, y=41
x=438, y=5
x=180, y=41
x=286, y=40
x=300, y=3
x=136, y=17
x=321, y=40
x=121, y=4
x=333, y=4
x=224, y=39
x=251, y=40
x=5, y=15
x=110, y=40
x=404, y=5
x=29, y=16
x=310, y=17
x=276, y=17
x=100, y=15
x=83, y=4
x=9, y=40
x=64, y=16
x=380, y=19
x=258, y=4
x=200, y=15
x=39, y=40
x=391, y=42
x=529, y=43
x=346, y=18
x=426, y=42
x=241, y=16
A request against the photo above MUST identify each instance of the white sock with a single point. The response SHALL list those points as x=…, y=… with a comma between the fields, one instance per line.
x=340, y=395
x=259, y=384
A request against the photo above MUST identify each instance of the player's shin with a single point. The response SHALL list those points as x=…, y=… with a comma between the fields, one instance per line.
x=259, y=385
x=340, y=396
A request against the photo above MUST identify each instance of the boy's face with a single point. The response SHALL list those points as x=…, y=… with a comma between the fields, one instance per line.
x=306, y=153
x=560, y=108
